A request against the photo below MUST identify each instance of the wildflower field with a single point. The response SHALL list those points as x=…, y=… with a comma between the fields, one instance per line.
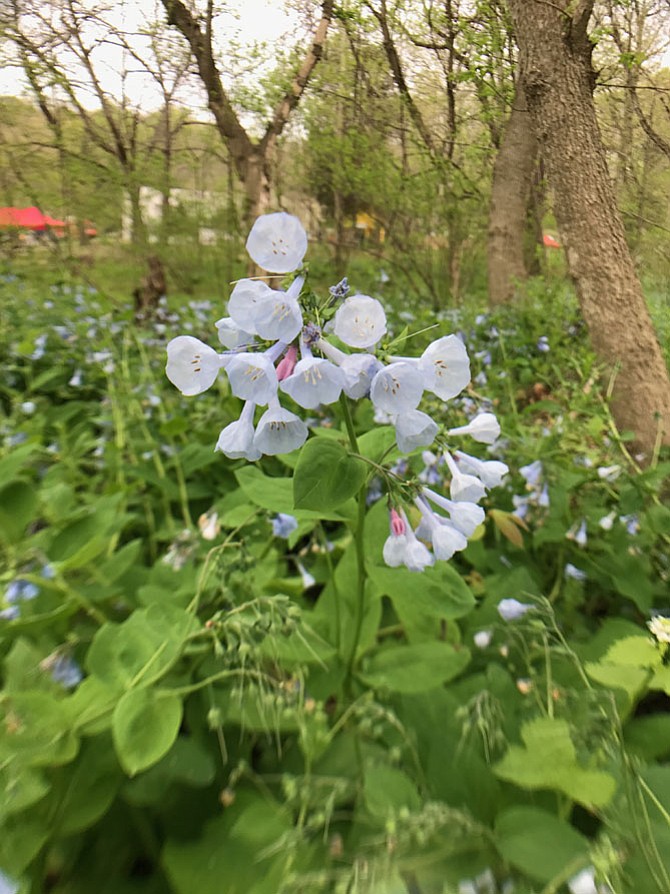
x=358, y=597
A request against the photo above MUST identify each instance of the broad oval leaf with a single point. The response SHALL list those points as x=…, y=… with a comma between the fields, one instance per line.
x=145, y=724
x=326, y=475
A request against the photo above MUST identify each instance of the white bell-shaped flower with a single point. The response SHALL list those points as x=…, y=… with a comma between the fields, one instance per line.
x=314, y=381
x=192, y=366
x=414, y=429
x=446, y=367
x=252, y=377
x=231, y=336
x=279, y=431
x=467, y=517
x=245, y=301
x=463, y=487
x=359, y=369
x=277, y=242
x=417, y=556
x=278, y=316
x=484, y=428
x=236, y=440
x=360, y=321
x=397, y=388
x=394, y=550
x=445, y=538
x=491, y=472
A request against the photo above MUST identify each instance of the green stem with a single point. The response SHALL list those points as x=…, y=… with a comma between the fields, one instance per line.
x=359, y=546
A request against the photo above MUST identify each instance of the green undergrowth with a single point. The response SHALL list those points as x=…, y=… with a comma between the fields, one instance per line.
x=182, y=708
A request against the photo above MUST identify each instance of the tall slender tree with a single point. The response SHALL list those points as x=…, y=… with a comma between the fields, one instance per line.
x=556, y=50
x=253, y=159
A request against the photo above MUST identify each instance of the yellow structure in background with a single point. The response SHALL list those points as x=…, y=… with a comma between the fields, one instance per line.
x=369, y=229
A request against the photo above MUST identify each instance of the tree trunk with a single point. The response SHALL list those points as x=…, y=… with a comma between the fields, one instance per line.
x=556, y=59
x=510, y=199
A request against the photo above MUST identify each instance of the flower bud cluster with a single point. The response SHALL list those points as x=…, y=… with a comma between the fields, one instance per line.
x=275, y=344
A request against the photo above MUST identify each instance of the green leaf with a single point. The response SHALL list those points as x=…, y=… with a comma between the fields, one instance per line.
x=627, y=665
x=648, y=737
x=437, y=593
x=326, y=476
x=228, y=856
x=375, y=443
x=88, y=788
x=145, y=724
x=414, y=668
x=20, y=787
x=21, y=838
x=276, y=495
x=386, y=790
x=540, y=844
x=18, y=504
x=548, y=760
x=187, y=762
x=10, y=464
x=38, y=728
x=142, y=648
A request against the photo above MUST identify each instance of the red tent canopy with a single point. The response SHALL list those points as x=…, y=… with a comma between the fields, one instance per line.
x=54, y=222
x=549, y=241
x=28, y=218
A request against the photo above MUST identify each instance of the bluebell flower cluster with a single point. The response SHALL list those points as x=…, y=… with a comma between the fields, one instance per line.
x=277, y=344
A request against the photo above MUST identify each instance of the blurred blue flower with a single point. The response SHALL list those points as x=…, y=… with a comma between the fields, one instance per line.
x=63, y=669
x=7, y=884
x=283, y=525
x=574, y=573
x=543, y=344
x=512, y=609
x=532, y=473
x=631, y=522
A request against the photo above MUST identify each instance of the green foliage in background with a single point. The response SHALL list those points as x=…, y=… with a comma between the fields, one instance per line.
x=185, y=703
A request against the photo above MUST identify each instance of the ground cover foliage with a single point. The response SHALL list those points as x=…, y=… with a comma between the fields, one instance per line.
x=189, y=701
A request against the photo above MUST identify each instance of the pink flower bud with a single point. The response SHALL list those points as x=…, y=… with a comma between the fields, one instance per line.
x=287, y=363
x=398, y=526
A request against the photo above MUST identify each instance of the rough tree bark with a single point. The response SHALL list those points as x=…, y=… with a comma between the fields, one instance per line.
x=510, y=200
x=556, y=58
x=252, y=159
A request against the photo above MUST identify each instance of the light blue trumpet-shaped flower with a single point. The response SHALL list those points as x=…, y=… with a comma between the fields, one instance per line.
x=402, y=546
x=465, y=516
x=279, y=431
x=192, y=366
x=252, y=377
x=277, y=242
x=463, y=487
x=444, y=537
x=236, y=440
x=231, y=336
x=484, y=429
x=446, y=367
x=491, y=472
x=359, y=369
x=278, y=316
x=414, y=429
x=397, y=388
x=360, y=321
x=314, y=381
x=244, y=302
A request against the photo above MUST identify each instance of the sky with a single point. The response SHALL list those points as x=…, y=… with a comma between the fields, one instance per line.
x=248, y=21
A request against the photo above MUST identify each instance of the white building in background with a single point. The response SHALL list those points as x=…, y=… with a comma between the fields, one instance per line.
x=198, y=204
